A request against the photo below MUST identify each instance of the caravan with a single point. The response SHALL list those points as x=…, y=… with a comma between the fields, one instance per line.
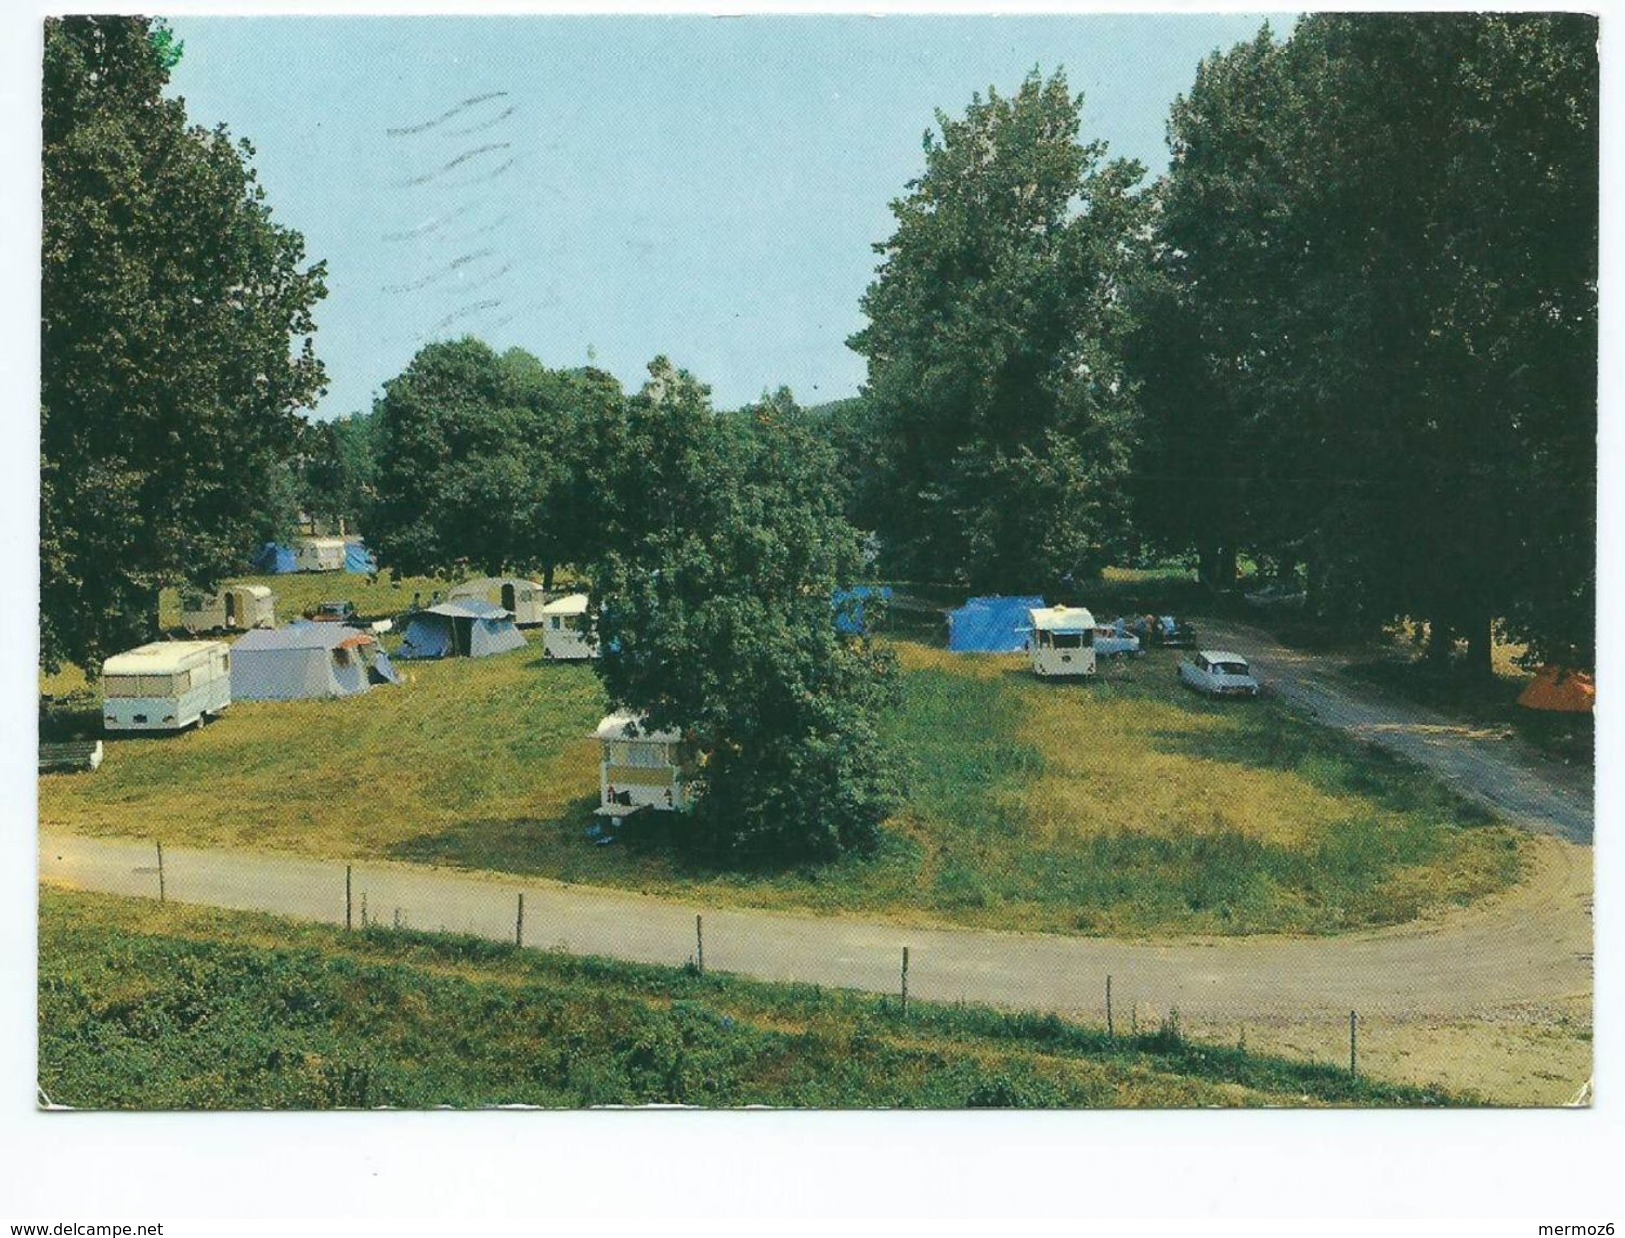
x=320, y=554
x=642, y=768
x=563, y=629
x=1062, y=641
x=233, y=608
x=166, y=686
x=524, y=599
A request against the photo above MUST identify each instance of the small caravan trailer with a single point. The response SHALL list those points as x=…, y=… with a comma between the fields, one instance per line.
x=641, y=768
x=319, y=554
x=1062, y=641
x=524, y=599
x=235, y=608
x=307, y=660
x=166, y=686
x=563, y=629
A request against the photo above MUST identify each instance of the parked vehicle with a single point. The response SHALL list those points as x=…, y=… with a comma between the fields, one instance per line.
x=1114, y=640
x=1278, y=594
x=333, y=612
x=1163, y=631
x=1217, y=672
x=1062, y=640
x=232, y=608
x=166, y=686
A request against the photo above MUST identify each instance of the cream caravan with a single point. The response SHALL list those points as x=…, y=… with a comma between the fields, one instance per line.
x=166, y=686
x=1062, y=641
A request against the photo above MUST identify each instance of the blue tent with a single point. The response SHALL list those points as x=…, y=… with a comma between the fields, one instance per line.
x=992, y=624
x=358, y=560
x=275, y=560
x=848, y=603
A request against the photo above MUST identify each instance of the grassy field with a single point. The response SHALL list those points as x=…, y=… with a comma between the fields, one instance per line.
x=145, y=1006
x=1121, y=806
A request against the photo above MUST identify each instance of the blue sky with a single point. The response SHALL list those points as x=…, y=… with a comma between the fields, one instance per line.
x=708, y=188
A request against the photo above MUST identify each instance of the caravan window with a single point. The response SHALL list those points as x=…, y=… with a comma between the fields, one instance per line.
x=137, y=685
x=556, y=623
x=1069, y=640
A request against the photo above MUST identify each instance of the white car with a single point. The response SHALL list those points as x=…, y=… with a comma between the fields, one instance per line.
x=1216, y=672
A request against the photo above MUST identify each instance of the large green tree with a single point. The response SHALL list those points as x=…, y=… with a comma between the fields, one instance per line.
x=1379, y=244
x=714, y=597
x=176, y=342
x=1002, y=414
x=485, y=460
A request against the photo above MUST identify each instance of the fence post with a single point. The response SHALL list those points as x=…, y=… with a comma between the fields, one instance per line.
x=1111, y=1030
x=699, y=943
x=905, y=981
x=348, y=899
x=519, y=923
x=160, y=872
x=1353, y=1043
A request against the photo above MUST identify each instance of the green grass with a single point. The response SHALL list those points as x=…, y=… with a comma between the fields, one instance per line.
x=1121, y=806
x=144, y=1006
x=298, y=592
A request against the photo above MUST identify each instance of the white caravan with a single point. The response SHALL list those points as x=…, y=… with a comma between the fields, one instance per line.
x=524, y=599
x=234, y=608
x=166, y=686
x=641, y=768
x=319, y=554
x=1062, y=641
x=563, y=629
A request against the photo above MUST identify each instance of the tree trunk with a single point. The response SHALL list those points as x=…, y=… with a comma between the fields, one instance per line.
x=1225, y=579
x=1441, y=643
x=1480, y=641
x=547, y=578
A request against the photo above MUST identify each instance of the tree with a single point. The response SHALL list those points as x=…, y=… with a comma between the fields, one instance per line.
x=1379, y=240
x=337, y=466
x=993, y=346
x=482, y=459
x=176, y=343
x=715, y=602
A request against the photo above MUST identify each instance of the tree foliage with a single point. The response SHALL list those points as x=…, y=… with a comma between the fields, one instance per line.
x=486, y=460
x=715, y=599
x=1003, y=419
x=176, y=342
x=1370, y=346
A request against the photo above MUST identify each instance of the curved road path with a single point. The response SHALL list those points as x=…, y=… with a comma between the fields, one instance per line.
x=1530, y=944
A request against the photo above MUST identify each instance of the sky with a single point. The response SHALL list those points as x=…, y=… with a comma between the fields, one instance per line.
x=609, y=189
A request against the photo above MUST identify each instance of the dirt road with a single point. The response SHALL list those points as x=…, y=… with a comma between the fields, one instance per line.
x=1531, y=944
x=1495, y=768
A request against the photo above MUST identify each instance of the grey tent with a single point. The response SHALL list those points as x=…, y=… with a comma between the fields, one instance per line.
x=306, y=660
x=460, y=628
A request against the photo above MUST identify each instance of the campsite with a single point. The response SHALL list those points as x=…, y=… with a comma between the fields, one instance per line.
x=1114, y=688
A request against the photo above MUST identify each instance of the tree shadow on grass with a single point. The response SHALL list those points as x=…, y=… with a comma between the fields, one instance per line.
x=1266, y=739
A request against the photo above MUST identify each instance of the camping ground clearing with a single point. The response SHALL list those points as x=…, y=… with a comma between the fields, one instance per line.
x=1122, y=806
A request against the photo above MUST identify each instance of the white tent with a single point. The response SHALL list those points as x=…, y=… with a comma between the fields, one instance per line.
x=466, y=628
x=307, y=660
x=524, y=599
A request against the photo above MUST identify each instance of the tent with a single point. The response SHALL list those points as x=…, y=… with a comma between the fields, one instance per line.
x=848, y=603
x=463, y=627
x=1560, y=691
x=275, y=560
x=307, y=660
x=992, y=624
x=358, y=560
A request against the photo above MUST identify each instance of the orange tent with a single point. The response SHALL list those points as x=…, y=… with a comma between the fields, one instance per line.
x=1561, y=691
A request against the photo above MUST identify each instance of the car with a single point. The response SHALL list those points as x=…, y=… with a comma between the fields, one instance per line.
x=1160, y=631
x=334, y=612
x=1218, y=672
x=1116, y=641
